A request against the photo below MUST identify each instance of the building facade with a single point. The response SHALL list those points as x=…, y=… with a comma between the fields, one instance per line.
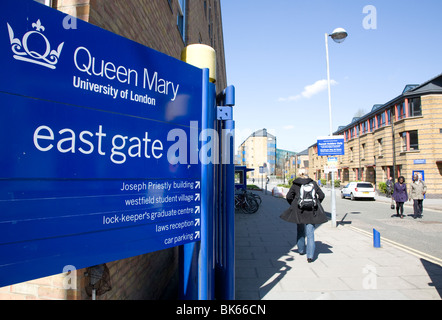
x=258, y=150
x=302, y=163
x=398, y=138
x=167, y=26
x=285, y=163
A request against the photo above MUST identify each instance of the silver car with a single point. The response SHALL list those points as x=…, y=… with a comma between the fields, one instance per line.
x=355, y=190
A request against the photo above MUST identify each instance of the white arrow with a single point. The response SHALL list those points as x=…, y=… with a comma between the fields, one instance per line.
x=197, y=209
x=197, y=196
x=198, y=185
x=197, y=235
x=197, y=222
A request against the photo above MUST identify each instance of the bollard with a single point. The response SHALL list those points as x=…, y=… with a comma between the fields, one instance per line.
x=376, y=239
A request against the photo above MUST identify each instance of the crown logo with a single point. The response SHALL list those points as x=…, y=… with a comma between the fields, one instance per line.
x=48, y=58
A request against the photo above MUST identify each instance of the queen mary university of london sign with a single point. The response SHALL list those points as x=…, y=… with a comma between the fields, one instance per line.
x=98, y=136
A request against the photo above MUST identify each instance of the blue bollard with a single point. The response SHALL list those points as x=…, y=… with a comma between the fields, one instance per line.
x=376, y=239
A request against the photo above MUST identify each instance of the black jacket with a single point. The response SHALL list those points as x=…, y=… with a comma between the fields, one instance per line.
x=296, y=215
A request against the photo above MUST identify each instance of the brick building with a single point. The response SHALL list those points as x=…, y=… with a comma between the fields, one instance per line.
x=166, y=26
x=395, y=139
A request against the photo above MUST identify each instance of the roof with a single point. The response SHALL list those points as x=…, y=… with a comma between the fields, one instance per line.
x=431, y=86
x=260, y=133
x=243, y=168
x=303, y=153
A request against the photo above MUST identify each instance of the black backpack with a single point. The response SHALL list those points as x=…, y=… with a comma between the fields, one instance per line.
x=307, y=197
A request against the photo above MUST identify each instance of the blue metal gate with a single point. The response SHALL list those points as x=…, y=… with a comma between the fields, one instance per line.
x=207, y=269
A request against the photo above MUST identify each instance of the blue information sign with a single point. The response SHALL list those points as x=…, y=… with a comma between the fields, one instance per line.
x=99, y=139
x=331, y=146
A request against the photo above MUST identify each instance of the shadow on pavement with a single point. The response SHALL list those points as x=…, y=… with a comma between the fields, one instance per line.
x=435, y=273
x=266, y=250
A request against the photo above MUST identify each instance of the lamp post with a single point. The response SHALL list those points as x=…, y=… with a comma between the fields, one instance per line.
x=338, y=36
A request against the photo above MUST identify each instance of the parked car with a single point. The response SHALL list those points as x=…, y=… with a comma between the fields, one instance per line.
x=355, y=190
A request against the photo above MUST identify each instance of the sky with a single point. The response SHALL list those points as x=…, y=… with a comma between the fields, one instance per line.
x=276, y=59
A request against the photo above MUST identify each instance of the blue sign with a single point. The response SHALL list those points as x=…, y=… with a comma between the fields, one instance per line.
x=100, y=151
x=331, y=146
x=420, y=161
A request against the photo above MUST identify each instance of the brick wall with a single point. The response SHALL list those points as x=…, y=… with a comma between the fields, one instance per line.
x=145, y=277
x=154, y=24
x=151, y=276
x=205, y=26
x=151, y=23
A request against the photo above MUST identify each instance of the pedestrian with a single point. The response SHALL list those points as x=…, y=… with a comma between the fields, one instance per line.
x=400, y=196
x=303, y=192
x=418, y=188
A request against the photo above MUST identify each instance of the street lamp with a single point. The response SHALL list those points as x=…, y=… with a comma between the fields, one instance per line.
x=338, y=36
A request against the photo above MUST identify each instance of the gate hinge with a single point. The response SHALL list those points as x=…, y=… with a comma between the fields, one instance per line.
x=224, y=113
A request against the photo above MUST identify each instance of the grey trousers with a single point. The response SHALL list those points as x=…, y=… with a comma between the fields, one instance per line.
x=418, y=206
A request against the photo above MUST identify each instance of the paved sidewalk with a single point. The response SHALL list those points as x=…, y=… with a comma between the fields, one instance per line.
x=346, y=265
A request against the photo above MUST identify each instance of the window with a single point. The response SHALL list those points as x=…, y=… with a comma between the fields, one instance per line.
x=381, y=119
x=403, y=141
x=409, y=141
x=181, y=19
x=239, y=177
x=365, y=127
x=414, y=107
x=363, y=151
x=414, y=140
x=380, y=147
x=364, y=185
x=401, y=111
x=352, y=132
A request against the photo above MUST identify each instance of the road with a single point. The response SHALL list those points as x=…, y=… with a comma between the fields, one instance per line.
x=424, y=234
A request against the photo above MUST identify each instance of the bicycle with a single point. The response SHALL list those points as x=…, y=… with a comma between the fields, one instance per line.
x=255, y=196
x=246, y=203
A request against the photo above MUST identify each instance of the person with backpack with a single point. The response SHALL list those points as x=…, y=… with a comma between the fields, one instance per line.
x=305, y=197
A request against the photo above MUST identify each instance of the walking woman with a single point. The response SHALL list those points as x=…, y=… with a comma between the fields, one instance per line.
x=305, y=189
x=400, y=196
